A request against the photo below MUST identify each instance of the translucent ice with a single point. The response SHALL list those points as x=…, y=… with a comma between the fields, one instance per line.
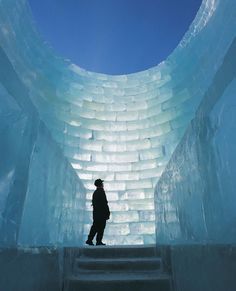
x=124, y=129
x=40, y=191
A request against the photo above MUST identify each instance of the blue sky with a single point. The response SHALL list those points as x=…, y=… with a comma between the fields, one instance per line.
x=114, y=36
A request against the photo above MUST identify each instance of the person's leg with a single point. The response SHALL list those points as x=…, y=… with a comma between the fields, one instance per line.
x=100, y=231
x=93, y=231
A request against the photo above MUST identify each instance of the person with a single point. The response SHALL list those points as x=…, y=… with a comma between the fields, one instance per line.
x=101, y=214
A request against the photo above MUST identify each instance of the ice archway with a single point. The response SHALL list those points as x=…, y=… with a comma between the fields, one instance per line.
x=122, y=129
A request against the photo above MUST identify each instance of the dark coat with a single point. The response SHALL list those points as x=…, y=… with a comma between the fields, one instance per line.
x=100, y=205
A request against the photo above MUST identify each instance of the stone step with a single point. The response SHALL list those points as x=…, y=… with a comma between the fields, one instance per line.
x=120, y=282
x=118, y=264
x=137, y=251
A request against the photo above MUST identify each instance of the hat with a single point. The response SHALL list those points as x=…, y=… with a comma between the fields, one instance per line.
x=98, y=182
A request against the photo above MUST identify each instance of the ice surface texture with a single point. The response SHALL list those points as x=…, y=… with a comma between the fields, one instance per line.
x=42, y=199
x=123, y=129
x=195, y=197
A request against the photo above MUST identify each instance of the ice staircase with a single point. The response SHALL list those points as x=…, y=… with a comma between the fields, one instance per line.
x=133, y=268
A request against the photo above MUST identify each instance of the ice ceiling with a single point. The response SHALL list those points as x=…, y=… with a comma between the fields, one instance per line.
x=122, y=129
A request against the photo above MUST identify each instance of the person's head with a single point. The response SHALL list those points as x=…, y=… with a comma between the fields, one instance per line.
x=99, y=183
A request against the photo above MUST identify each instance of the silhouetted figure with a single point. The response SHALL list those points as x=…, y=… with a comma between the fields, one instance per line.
x=101, y=213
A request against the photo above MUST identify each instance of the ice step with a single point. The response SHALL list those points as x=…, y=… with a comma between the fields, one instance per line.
x=119, y=251
x=118, y=264
x=120, y=282
x=112, y=268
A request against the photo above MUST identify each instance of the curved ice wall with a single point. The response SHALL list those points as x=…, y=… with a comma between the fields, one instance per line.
x=122, y=129
x=195, y=196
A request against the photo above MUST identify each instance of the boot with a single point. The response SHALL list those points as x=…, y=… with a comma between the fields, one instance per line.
x=89, y=242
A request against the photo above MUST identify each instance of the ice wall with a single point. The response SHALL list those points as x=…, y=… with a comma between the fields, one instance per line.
x=122, y=129
x=55, y=200
x=195, y=197
x=41, y=197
